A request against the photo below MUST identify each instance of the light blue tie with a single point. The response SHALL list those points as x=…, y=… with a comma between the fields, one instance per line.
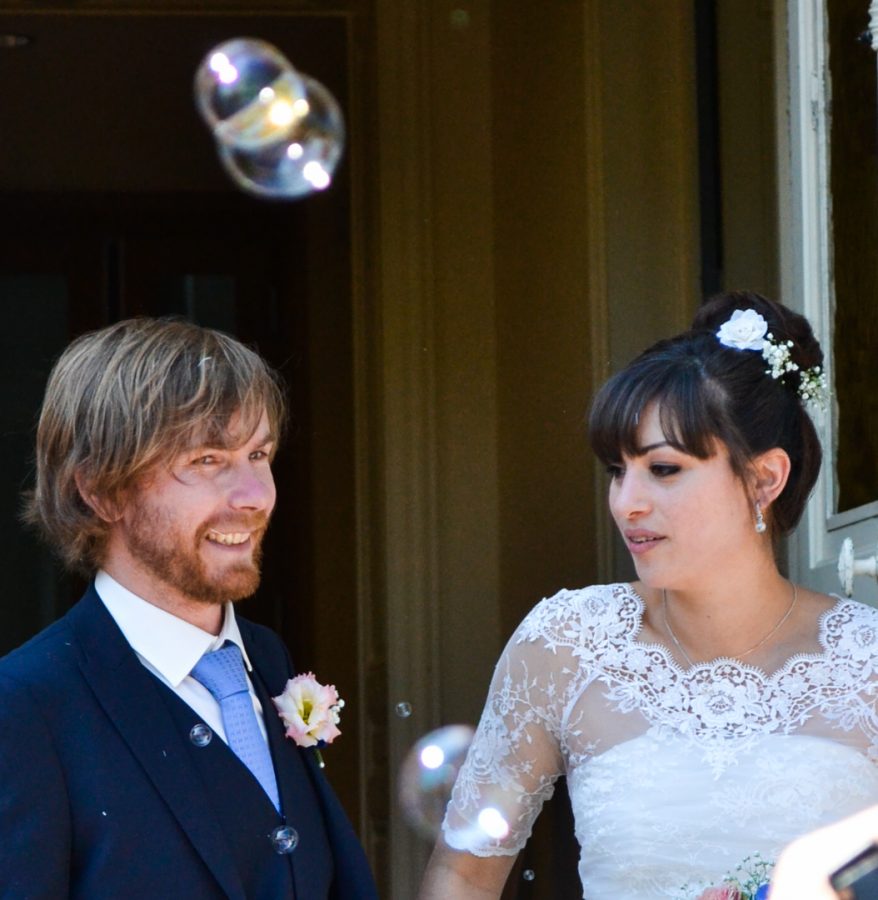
x=222, y=673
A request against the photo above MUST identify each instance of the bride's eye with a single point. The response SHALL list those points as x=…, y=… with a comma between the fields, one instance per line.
x=615, y=470
x=663, y=470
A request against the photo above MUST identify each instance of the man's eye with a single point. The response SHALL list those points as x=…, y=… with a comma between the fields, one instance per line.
x=206, y=460
x=258, y=455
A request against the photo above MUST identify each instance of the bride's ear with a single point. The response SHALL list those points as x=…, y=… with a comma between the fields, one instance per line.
x=769, y=474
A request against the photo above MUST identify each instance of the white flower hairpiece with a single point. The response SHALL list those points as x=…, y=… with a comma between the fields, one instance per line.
x=747, y=330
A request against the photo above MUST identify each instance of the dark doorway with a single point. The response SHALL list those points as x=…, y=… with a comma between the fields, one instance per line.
x=71, y=263
x=114, y=204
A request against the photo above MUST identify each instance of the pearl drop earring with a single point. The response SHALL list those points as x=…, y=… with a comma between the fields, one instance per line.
x=760, y=520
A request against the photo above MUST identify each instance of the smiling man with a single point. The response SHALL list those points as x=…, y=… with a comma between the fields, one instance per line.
x=129, y=766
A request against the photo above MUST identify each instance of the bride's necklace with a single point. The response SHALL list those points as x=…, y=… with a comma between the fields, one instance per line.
x=753, y=649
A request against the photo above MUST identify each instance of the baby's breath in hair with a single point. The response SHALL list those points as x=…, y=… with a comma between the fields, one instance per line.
x=812, y=382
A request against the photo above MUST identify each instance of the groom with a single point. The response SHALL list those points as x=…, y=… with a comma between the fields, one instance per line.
x=125, y=769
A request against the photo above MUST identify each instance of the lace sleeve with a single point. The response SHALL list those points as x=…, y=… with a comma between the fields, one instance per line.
x=517, y=753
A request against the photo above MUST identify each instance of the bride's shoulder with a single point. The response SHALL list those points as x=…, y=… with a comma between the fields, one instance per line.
x=569, y=616
x=850, y=620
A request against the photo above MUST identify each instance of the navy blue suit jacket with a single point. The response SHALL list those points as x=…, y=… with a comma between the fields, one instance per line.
x=104, y=795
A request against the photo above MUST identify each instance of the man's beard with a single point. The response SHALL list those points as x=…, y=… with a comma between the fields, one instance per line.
x=174, y=558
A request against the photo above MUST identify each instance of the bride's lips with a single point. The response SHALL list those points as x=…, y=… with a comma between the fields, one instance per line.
x=640, y=540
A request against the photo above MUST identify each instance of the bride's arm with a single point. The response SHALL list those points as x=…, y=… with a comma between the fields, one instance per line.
x=458, y=874
x=512, y=764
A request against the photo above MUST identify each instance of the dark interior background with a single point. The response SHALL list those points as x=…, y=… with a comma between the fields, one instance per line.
x=114, y=204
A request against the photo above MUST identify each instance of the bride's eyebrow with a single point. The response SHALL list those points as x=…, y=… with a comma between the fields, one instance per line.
x=642, y=451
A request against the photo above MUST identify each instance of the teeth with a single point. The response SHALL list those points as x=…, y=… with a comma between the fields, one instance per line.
x=228, y=540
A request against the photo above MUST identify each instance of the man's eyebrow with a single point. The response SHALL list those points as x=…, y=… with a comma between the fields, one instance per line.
x=206, y=443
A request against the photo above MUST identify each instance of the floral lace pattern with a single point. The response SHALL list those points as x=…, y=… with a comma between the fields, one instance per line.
x=575, y=693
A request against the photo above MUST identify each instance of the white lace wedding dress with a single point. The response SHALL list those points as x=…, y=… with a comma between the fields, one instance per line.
x=675, y=776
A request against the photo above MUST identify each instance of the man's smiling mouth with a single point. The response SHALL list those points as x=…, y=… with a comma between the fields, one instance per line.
x=228, y=540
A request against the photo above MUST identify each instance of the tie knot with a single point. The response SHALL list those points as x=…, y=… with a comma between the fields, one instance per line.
x=222, y=672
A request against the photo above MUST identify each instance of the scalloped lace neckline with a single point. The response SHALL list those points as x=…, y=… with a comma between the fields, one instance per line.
x=668, y=655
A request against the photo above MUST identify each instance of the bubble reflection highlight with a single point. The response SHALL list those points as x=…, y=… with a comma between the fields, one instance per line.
x=491, y=821
x=432, y=756
x=403, y=709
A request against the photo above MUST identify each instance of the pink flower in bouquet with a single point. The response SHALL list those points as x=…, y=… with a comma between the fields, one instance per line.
x=310, y=710
x=723, y=892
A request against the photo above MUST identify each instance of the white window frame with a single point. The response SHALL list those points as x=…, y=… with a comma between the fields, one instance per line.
x=806, y=279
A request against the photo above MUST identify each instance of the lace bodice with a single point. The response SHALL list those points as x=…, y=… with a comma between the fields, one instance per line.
x=675, y=776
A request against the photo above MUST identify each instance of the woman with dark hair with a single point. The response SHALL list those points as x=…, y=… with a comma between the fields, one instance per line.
x=711, y=711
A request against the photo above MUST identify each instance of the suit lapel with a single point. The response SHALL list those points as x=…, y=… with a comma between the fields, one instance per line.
x=130, y=696
x=312, y=862
x=305, y=793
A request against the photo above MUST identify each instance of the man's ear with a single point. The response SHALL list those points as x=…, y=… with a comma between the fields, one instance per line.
x=769, y=474
x=102, y=507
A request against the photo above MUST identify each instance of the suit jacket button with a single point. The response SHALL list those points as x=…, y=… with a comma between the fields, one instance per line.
x=200, y=735
x=284, y=839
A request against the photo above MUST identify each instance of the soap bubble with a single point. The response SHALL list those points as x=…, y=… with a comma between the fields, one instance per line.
x=248, y=93
x=279, y=133
x=403, y=709
x=426, y=780
x=528, y=875
x=299, y=162
x=427, y=776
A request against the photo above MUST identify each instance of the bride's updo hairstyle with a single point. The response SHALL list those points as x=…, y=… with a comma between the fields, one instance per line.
x=707, y=392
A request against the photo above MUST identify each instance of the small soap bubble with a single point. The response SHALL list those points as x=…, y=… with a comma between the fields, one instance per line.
x=248, y=93
x=428, y=774
x=403, y=709
x=528, y=875
x=284, y=839
x=301, y=158
x=200, y=735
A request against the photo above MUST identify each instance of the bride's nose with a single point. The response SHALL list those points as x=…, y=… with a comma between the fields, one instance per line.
x=629, y=497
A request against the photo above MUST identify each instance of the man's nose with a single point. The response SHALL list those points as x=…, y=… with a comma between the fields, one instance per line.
x=251, y=487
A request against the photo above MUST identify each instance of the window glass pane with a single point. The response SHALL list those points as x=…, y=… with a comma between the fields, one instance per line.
x=206, y=299
x=854, y=187
x=34, y=312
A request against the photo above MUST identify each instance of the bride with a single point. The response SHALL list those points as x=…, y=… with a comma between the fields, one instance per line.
x=711, y=711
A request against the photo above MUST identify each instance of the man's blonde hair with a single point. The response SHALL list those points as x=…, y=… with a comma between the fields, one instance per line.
x=130, y=397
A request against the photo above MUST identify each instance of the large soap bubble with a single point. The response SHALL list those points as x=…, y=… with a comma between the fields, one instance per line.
x=428, y=774
x=302, y=160
x=248, y=93
x=279, y=133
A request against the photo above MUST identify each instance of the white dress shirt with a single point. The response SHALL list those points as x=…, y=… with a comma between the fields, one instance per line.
x=170, y=647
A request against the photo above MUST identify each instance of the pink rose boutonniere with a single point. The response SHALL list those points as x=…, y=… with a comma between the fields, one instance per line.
x=310, y=711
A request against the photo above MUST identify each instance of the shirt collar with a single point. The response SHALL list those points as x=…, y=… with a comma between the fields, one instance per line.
x=168, y=643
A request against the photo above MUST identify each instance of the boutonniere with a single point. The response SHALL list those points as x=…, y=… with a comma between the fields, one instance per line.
x=310, y=711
